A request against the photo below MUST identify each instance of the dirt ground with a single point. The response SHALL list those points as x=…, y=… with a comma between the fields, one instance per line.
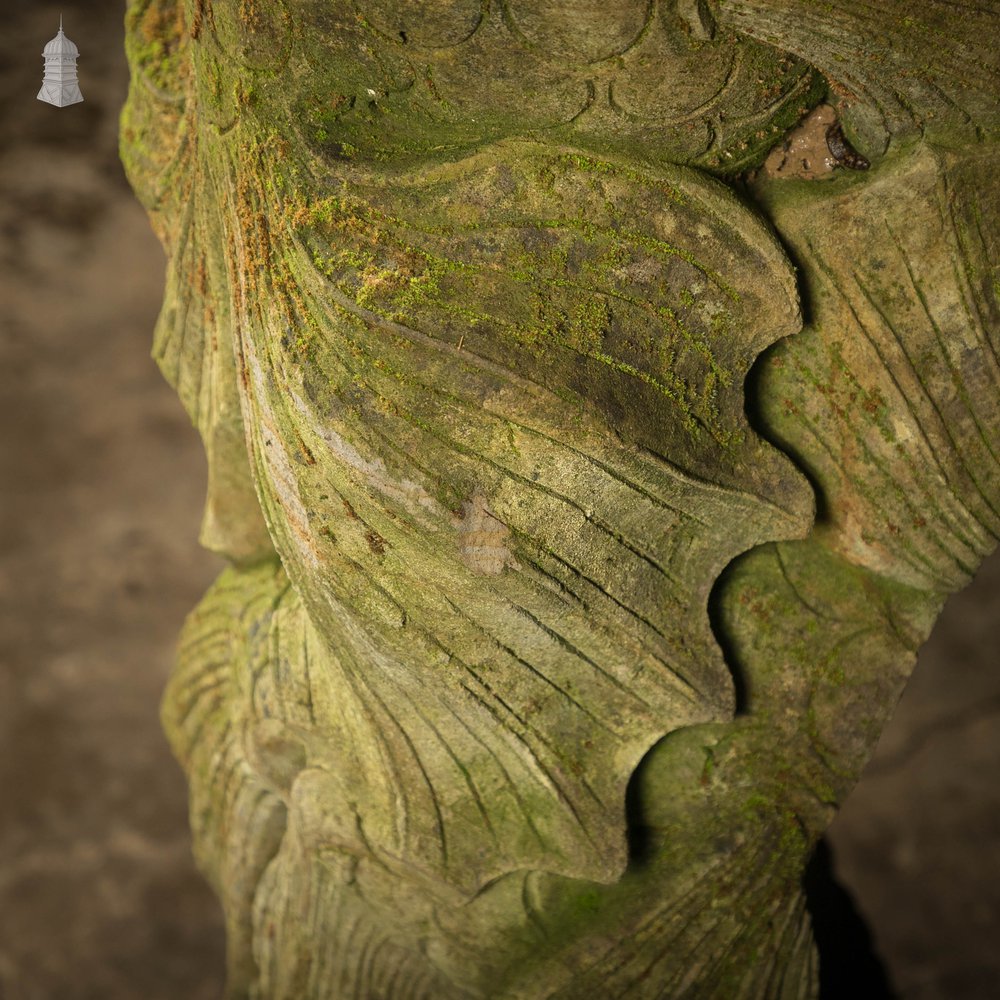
x=101, y=482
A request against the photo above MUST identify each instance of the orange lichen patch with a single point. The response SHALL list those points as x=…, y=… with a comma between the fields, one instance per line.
x=248, y=13
x=375, y=542
x=276, y=144
x=253, y=224
x=201, y=276
x=262, y=226
x=842, y=90
x=305, y=451
x=199, y=13
x=163, y=22
x=296, y=211
x=156, y=38
x=804, y=154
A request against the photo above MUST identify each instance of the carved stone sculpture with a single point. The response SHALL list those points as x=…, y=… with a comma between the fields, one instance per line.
x=588, y=483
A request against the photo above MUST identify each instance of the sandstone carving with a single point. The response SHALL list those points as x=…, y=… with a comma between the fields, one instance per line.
x=588, y=485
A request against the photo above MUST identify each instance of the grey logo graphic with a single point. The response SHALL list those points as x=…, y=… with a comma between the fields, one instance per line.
x=59, y=86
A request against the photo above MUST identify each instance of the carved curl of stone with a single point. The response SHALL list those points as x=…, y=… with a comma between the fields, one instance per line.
x=541, y=664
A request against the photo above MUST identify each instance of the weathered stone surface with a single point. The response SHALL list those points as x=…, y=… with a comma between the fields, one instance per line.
x=488, y=322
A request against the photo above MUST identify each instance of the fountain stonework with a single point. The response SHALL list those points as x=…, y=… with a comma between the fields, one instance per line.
x=600, y=402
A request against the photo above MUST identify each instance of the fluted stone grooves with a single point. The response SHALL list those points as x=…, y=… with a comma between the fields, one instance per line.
x=540, y=664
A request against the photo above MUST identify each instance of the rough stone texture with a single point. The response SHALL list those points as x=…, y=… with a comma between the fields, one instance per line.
x=270, y=763
x=430, y=297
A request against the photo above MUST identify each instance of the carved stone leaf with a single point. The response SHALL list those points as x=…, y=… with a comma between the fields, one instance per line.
x=462, y=525
x=159, y=145
x=405, y=80
x=891, y=397
x=192, y=342
x=491, y=355
x=930, y=69
x=203, y=712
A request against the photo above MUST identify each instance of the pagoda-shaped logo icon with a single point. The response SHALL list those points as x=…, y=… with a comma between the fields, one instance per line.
x=59, y=86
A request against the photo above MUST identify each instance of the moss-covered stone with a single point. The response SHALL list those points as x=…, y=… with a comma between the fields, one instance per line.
x=466, y=324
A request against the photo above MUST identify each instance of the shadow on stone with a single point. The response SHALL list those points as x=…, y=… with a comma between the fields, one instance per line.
x=848, y=963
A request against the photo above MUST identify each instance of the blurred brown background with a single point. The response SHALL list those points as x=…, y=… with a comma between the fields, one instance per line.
x=101, y=483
